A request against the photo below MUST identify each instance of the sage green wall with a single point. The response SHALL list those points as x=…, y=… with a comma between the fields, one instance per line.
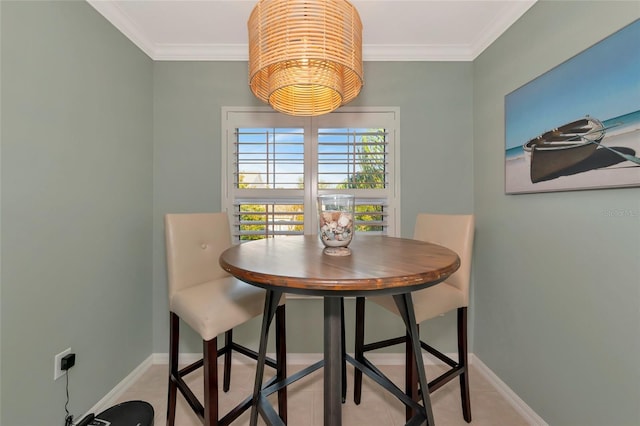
x=556, y=274
x=92, y=131
x=435, y=101
x=76, y=189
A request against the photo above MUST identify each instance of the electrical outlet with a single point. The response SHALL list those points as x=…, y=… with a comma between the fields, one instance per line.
x=57, y=364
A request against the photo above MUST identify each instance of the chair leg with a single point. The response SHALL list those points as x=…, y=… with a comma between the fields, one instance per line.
x=281, y=360
x=228, y=343
x=210, y=354
x=174, y=338
x=344, y=353
x=411, y=375
x=359, y=346
x=463, y=361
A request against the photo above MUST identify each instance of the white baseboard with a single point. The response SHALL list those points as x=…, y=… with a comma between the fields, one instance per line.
x=309, y=358
x=110, y=398
x=516, y=402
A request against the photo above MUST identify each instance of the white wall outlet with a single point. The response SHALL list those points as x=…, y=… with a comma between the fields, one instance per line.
x=57, y=372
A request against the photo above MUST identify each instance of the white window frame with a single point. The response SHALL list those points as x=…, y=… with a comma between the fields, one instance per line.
x=346, y=117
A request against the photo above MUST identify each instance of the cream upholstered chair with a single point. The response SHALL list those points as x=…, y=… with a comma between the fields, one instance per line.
x=211, y=302
x=456, y=233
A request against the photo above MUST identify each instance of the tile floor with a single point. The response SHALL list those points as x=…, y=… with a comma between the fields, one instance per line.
x=305, y=399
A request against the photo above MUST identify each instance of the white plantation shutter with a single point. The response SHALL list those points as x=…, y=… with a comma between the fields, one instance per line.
x=357, y=160
x=345, y=152
x=269, y=158
x=276, y=165
x=253, y=218
x=372, y=216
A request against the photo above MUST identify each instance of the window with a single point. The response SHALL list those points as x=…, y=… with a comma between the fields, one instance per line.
x=276, y=165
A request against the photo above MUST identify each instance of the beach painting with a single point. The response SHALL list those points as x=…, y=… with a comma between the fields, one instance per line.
x=577, y=126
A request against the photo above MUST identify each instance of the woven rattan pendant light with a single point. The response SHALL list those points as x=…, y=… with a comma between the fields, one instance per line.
x=305, y=56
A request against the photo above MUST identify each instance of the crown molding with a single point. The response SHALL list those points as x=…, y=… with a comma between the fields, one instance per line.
x=201, y=52
x=501, y=24
x=119, y=19
x=239, y=52
x=416, y=52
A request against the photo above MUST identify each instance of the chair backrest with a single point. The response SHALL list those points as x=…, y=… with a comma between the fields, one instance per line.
x=194, y=243
x=454, y=232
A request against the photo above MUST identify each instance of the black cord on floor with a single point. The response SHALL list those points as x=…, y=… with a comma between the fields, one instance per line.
x=68, y=418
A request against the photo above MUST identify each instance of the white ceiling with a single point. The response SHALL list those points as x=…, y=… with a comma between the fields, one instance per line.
x=407, y=30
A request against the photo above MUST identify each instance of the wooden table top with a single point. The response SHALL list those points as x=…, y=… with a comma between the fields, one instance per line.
x=377, y=264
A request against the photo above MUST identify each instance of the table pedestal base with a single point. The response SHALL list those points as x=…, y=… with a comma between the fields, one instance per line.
x=333, y=366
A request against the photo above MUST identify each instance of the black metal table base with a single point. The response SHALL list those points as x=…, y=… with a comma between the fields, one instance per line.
x=332, y=363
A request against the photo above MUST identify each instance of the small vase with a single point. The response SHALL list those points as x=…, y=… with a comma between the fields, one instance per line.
x=336, y=214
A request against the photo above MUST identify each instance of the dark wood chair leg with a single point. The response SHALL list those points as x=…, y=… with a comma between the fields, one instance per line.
x=281, y=360
x=411, y=376
x=210, y=354
x=344, y=352
x=174, y=338
x=359, y=346
x=228, y=343
x=463, y=360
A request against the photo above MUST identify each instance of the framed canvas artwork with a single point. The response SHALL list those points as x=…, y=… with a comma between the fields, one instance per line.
x=578, y=125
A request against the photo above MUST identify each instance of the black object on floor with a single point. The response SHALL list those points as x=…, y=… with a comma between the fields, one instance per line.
x=130, y=413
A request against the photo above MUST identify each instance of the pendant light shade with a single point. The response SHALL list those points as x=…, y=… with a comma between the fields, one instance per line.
x=305, y=56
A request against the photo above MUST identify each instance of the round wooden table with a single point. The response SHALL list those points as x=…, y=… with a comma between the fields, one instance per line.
x=377, y=265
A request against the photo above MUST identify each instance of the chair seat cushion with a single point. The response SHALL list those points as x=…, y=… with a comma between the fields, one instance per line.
x=216, y=306
x=429, y=302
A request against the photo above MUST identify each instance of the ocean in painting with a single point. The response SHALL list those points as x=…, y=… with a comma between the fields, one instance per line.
x=626, y=123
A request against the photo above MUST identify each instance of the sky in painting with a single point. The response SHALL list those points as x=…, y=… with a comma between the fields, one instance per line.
x=602, y=81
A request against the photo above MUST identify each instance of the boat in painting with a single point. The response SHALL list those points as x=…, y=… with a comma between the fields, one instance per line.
x=563, y=147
